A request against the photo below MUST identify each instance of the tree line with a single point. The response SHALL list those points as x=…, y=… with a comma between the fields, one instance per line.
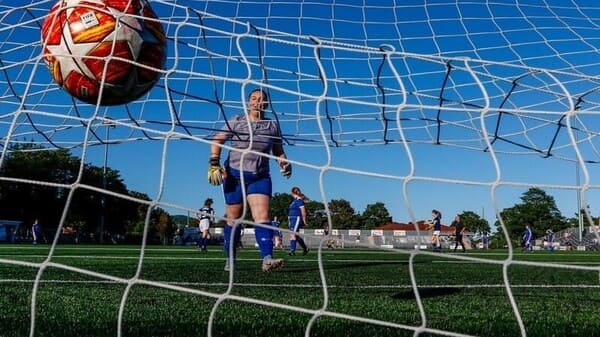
x=55, y=173
x=92, y=214
x=539, y=210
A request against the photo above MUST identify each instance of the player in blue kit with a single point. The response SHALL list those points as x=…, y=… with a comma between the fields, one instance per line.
x=277, y=236
x=485, y=240
x=253, y=137
x=36, y=232
x=297, y=220
x=550, y=239
x=206, y=216
x=528, y=239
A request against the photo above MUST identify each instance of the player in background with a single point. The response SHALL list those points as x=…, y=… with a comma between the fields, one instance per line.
x=436, y=225
x=550, y=239
x=459, y=230
x=36, y=231
x=485, y=240
x=297, y=218
x=252, y=138
x=277, y=236
x=206, y=216
x=528, y=239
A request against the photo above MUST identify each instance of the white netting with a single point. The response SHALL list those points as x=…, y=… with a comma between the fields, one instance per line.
x=495, y=78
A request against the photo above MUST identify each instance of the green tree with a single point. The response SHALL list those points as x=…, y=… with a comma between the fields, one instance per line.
x=280, y=202
x=315, y=211
x=343, y=215
x=165, y=227
x=36, y=199
x=315, y=214
x=574, y=221
x=536, y=208
x=474, y=223
x=375, y=215
x=27, y=201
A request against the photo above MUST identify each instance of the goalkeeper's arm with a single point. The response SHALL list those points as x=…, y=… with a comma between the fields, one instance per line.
x=285, y=167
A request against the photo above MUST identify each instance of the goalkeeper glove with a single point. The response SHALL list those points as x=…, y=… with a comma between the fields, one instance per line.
x=286, y=170
x=215, y=172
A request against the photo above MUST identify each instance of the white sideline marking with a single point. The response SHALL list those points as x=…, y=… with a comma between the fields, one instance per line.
x=517, y=261
x=205, y=258
x=319, y=286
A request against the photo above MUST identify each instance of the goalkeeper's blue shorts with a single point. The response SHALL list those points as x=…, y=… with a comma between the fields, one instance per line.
x=253, y=184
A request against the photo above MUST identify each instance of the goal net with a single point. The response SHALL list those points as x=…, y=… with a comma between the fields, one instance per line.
x=450, y=105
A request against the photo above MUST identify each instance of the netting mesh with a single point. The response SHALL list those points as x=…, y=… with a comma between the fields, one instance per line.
x=445, y=73
x=496, y=77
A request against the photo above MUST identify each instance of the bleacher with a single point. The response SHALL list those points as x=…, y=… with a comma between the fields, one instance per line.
x=9, y=230
x=569, y=237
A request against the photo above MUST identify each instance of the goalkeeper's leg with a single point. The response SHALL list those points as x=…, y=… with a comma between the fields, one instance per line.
x=264, y=239
x=230, y=244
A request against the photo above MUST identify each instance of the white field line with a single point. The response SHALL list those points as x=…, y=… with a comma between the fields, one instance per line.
x=206, y=258
x=318, y=286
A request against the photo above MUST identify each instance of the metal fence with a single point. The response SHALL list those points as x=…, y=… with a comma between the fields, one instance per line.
x=346, y=238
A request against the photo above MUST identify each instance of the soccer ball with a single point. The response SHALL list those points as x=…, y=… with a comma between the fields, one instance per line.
x=105, y=52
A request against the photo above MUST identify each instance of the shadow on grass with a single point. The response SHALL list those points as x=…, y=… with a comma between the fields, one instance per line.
x=426, y=293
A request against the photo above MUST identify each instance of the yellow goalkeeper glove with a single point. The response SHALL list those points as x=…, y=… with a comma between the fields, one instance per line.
x=286, y=170
x=216, y=173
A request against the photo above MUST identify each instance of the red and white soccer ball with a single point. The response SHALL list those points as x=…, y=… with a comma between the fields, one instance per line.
x=105, y=52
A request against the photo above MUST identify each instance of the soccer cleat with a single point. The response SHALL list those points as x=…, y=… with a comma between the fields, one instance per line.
x=291, y=253
x=270, y=264
x=305, y=251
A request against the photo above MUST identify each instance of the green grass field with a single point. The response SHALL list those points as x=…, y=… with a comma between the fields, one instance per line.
x=182, y=292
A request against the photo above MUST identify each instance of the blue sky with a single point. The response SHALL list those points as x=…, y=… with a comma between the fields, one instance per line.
x=366, y=128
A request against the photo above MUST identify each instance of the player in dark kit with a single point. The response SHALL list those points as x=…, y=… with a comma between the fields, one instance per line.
x=459, y=229
x=206, y=216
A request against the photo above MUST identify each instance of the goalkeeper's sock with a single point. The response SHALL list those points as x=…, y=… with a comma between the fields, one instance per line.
x=300, y=241
x=292, y=245
x=264, y=239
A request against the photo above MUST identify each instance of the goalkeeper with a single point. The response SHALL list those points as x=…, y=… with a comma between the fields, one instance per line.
x=253, y=137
